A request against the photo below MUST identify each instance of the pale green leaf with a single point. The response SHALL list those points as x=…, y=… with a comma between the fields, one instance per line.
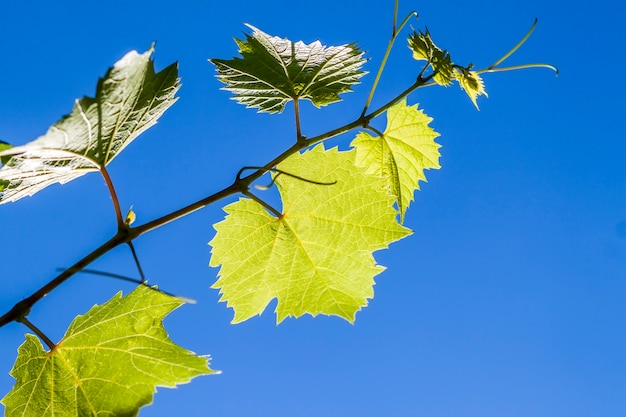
x=129, y=100
x=3, y=147
x=422, y=45
x=424, y=49
x=3, y=160
x=108, y=363
x=472, y=84
x=402, y=153
x=273, y=71
x=317, y=257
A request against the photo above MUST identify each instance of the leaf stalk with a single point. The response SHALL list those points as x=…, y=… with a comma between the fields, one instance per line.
x=275, y=212
x=116, y=201
x=38, y=332
x=296, y=107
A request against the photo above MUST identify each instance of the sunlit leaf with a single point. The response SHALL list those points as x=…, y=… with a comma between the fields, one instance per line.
x=3, y=160
x=424, y=49
x=402, y=153
x=109, y=362
x=472, y=83
x=129, y=99
x=273, y=71
x=317, y=257
x=3, y=147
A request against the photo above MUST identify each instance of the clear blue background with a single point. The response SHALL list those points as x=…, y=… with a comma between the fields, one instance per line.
x=509, y=299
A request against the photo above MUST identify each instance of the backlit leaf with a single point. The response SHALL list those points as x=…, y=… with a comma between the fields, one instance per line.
x=273, y=71
x=3, y=160
x=317, y=257
x=129, y=99
x=423, y=47
x=402, y=153
x=3, y=147
x=472, y=83
x=109, y=362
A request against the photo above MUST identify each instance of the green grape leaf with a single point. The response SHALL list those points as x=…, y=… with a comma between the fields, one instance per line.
x=316, y=258
x=3, y=147
x=422, y=45
x=273, y=71
x=129, y=100
x=3, y=160
x=108, y=363
x=402, y=153
x=424, y=49
x=472, y=84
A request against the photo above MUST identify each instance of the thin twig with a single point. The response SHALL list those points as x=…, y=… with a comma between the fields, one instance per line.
x=136, y=281
x=132, y=249
x=280, y=171
x=109, y=274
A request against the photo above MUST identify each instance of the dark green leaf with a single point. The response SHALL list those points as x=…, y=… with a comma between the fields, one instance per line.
x=273, y=71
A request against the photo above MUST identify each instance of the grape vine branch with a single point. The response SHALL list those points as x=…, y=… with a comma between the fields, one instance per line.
x=126, y=234
x=342, y=70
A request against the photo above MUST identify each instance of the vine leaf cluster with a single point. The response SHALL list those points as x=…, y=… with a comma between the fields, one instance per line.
x=444, y=70
x=314, y=254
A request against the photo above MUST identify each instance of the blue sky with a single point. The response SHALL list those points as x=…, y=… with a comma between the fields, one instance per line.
x=508, y=300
